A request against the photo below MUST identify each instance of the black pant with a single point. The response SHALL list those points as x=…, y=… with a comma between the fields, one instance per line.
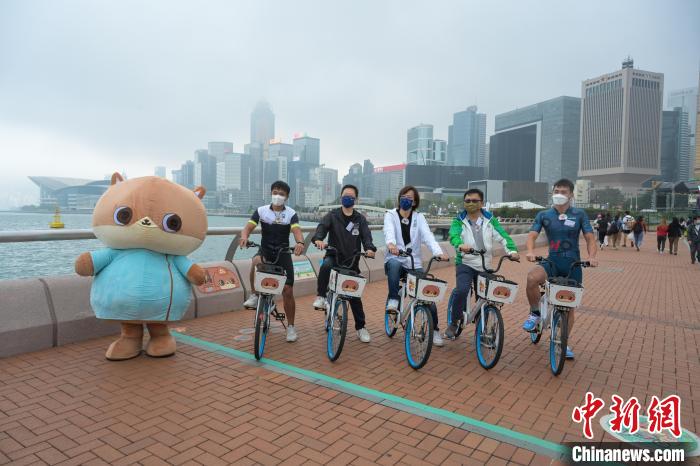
x=694, y=251
x=601, y=236
x=661, y=243
x=324, y=275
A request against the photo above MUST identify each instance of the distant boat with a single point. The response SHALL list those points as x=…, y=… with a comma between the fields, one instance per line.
x=57, y=223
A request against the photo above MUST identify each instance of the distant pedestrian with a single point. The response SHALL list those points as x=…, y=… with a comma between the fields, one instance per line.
x=614, y=231
x=694, y=239
x=602, y=226
x=675, y=231
x=638, y=230
x=627, y=224
x=661, y=234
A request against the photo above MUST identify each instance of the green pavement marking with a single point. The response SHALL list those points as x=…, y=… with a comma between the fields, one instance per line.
x=528, y=442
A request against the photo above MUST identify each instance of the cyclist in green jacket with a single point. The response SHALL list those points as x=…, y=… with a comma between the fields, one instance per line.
x=475, y=228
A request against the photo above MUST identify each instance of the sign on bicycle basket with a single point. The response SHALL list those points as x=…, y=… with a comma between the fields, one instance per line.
x=269, y=283
x=347, y=285
x=426, y=289
x=567, y=296
x=500, y=291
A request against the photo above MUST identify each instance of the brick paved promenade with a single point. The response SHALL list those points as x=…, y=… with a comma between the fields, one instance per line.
x=637, y=334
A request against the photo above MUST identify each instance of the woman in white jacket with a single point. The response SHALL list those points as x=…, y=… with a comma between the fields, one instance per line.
x=405, y=228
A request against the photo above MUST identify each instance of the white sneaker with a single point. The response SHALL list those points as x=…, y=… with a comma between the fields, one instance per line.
x=320, y=303
x=437, y=339
x=252, y=302
x=392, y=305
x=291, y=334
x=363, y=335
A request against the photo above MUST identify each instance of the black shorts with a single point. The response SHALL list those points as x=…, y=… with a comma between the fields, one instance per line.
x=285, y=261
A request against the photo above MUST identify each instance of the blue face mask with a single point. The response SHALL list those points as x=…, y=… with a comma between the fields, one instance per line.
x=405, y=203
x=347, y=201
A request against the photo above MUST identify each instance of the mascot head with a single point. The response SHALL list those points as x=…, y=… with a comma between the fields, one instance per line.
x=151, y=213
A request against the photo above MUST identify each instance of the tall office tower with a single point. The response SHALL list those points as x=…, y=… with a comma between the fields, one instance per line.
x=185, y=177
x=354, y=176
x=230, y=172
x=262, y=124
x=259, y=193
x=307, y=149
x=419, y=145
x=439, y=152
x=279, y=149
x=675, y=151
x=621, y=128
x=159, y=171
x=367, y=185
x=219, y=148
x=205, y=170
x=327, y=180
x=687, y=99
x=467, y=138
x=539, y=142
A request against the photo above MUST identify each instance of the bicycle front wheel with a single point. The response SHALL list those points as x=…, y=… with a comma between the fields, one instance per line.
x=391, y=323
x=557, y=345
x=489, y=340
x=419, y=337
x=337, y=329
x=262, y=325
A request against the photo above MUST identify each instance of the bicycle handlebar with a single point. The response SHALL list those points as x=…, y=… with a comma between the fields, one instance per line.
x=574, y=264
x=409, y=253
x=355, y=256
x=482, y=253
x=286, y=250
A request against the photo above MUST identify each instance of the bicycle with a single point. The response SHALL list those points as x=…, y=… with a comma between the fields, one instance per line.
x=560, y=295
x=344, y=283
x=418, y=291
x=269, y=282
x=492, y=292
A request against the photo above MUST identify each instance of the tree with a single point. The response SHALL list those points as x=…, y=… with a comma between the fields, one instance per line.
x=613, y=197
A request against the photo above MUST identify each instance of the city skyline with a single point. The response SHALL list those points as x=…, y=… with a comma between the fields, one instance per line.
x=132, y=112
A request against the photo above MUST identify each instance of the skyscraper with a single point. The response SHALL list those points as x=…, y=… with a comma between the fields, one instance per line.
x=307, y=149
x=262, y=124
x=419, y=145
x=467, y=138
x=205, y=170
x=159, y=171
x=219, y=148
x=621, y=127
x=539, y=142
x=439, y=151
x=687, y=99
x=280, y=149
x=675, y=155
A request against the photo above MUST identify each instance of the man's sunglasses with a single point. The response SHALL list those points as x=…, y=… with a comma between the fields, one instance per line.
x=472, y=201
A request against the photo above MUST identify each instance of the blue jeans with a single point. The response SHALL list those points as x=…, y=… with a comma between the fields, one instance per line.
x=638, y=237
x=465, y=279
x=394, y=271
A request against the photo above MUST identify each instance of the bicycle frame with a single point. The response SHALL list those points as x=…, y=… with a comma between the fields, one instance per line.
x=546, y=317
x=412, y=302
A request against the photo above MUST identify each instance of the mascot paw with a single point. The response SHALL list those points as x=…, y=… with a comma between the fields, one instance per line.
x=161, y=344
x=128, y=345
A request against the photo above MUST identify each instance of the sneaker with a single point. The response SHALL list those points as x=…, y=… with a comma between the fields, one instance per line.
x=437, y=339
x=392, y=305
x=320, y=303
x=291, y=334
x=363, y=335
x=451, y=332
x=569, y=353
x=252, y=302
x=531, y=323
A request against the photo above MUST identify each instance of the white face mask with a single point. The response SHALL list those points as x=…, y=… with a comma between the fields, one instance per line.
x=559, y=199
x=278, y=200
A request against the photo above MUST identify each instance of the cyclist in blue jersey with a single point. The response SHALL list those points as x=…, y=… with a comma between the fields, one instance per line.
x=563, y=224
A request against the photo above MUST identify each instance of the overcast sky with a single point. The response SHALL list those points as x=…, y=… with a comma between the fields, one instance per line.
x=87, y=88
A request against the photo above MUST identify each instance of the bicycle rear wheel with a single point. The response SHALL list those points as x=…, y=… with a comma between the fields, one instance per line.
x=557, y=345
x=489, y=341
x=262, y=325
x=419, y=337
x=337, y=329
x=391, y=323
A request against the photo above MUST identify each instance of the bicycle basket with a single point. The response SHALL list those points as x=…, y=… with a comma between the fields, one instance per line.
x=346, y=282
x=564, y=292
x=496, y=288
x=269, y=279
x=425, y=287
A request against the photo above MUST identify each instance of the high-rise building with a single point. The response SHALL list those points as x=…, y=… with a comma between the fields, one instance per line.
x=231, y=172
x=327, y=179
x=621, y=128
x=539, y=142
x=205, y=170
x=388, y=181
x=675, y=151
x=262, y=124
x=280, y=149
x=257, y=190
x=159, y=171
x=219, y=148
x=367, y=185
x=687, y=99
x=307, y=149
x=419, y=146
x=439, y=152
x=467, y=138
x=582, y=193
x=354, y=176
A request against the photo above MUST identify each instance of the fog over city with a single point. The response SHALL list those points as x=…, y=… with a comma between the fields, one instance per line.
x=87, y=88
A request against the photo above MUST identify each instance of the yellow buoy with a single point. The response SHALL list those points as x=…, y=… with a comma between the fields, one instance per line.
x=57, y=223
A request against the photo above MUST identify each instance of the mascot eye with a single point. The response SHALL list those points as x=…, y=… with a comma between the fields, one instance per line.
x=122, y=216
x=172, y=223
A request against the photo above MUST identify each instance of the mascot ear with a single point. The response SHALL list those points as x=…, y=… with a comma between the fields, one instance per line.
x=200, y=191
x=116, y=178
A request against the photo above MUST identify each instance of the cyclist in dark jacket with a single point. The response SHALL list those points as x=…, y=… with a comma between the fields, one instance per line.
x=675, y=231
